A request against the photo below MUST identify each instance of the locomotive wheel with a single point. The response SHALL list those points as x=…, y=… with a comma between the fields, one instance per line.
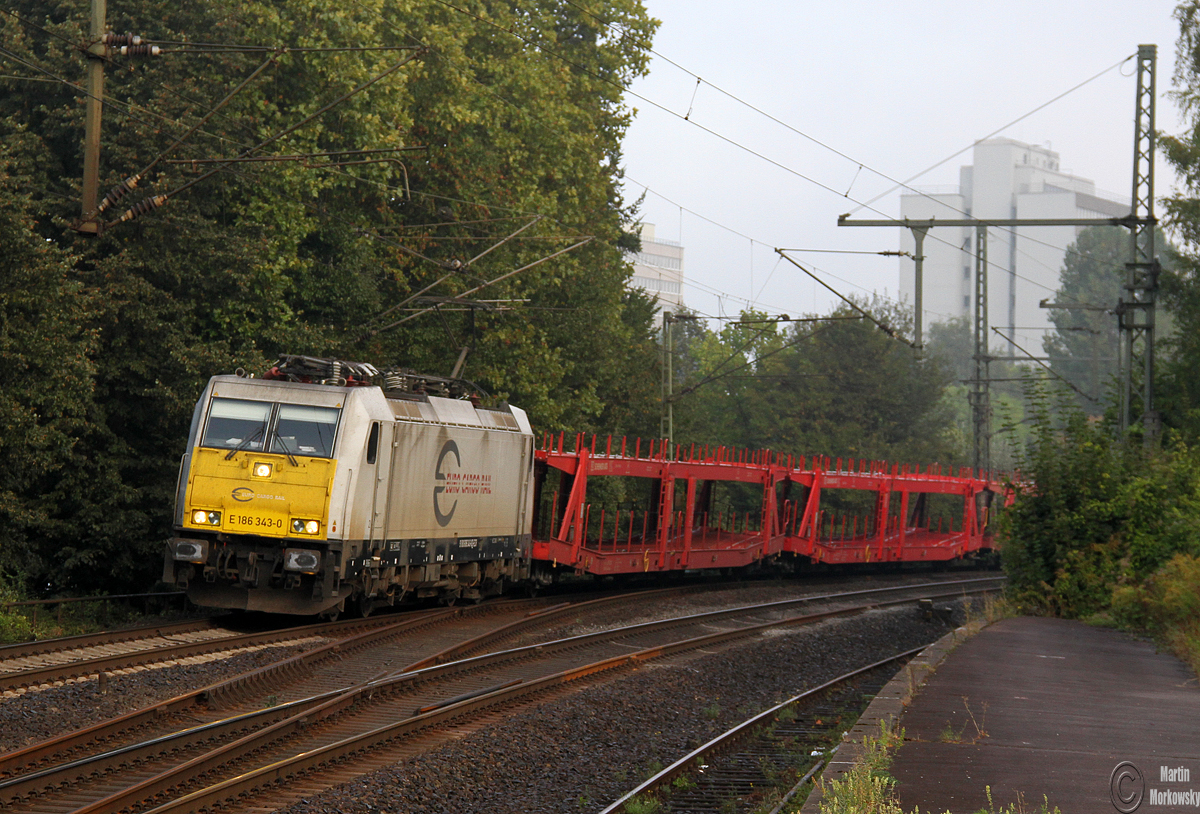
x=366, y=605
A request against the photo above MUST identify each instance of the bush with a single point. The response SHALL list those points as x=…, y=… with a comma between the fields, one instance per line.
x=14, y=626
x=1167, y=604
x=1094, y=514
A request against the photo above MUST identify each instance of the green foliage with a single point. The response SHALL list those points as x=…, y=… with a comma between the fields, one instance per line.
x=1084, y=348
x=1167, y=604
x=1092, y=513
x=1177, y=386
x=643, y=804
x=107, y=341
x=842, y=388
x=14, y=625
x=867, y=788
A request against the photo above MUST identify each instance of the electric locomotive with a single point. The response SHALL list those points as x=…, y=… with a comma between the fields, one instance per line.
x=326, y=485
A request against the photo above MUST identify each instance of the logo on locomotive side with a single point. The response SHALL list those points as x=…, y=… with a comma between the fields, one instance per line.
x=444, y=518
x=244, y=494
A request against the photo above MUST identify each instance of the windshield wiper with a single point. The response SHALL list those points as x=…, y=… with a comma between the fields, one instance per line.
x=245, y=443
x=291, y=458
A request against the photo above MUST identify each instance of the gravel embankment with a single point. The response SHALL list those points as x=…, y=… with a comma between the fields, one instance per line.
x=45, y=713
x=580, y=754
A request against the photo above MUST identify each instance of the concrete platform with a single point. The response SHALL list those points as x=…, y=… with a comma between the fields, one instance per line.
x=1051, y=707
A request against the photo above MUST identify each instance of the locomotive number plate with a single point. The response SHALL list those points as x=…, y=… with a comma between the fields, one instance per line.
x=255, y=521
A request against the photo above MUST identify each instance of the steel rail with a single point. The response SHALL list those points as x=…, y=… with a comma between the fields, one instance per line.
x=46, y=674
x=41, y=647
x=228, y=691
x=31, y=755
x=509, y=692
x=731, y=736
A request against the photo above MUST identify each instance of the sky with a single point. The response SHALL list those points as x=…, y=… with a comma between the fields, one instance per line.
x=893, y=87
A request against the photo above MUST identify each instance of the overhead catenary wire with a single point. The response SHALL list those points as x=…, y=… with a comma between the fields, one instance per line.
x=725, y=295
x=1042, y=364
x=860, y=164
x=196, y=180
x=887, y=329
x=223, y=167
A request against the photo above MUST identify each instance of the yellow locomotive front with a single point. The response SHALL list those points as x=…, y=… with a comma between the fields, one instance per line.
x=252, y=515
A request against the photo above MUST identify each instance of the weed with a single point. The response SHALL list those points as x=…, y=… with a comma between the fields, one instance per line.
x=996, y=607
x=654, y=768
x=683, y=782
x=643, y=804
x=1018, y=807
x=786, y=715
x=948, y=735
x=271, y=701
x=712, y=711
x=980, y=732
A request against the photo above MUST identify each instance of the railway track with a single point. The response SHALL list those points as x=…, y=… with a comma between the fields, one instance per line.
x=56, y=661
x=756, y=763
x=380, y=645
x=384, y=717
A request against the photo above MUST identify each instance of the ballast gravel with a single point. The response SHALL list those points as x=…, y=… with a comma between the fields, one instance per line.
x=584, y=752
x=46, y=712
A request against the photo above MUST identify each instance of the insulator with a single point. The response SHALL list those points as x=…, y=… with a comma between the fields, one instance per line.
x=122, y=39
x=335, y=369
x=118, y=192
x=140, y=50
x=142, y=207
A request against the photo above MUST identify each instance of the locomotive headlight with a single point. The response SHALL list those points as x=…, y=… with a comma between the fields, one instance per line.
x=305, y=526
x=206, y=518
x=262, y=470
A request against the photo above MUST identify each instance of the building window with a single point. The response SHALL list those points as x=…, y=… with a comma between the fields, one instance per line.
x=665, y=286
x=966, y=301
x=658, y=261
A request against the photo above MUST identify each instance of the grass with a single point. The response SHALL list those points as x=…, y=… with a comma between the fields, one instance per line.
x=21, y=624
x=868, y=788
x=643, y=804
x=1167, y=606
x=991, y=608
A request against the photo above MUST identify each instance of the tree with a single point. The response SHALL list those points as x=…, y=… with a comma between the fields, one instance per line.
x=518, y=113
x=839, y=387
x=1085, y=349
x=1178, y=391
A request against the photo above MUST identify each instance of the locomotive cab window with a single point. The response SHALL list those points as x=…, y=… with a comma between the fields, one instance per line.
x=302, y=430
x=233, y=423
x=285, y=429
x=373, y=443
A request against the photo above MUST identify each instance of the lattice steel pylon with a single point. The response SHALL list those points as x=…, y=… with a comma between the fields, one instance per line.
x=981, y=401
x=1136, y=309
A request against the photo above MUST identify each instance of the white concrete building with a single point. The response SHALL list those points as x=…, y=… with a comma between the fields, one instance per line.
x=658, y=269
x=1007, y=179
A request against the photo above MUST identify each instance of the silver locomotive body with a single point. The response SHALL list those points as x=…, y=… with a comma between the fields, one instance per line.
x=306, y=498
